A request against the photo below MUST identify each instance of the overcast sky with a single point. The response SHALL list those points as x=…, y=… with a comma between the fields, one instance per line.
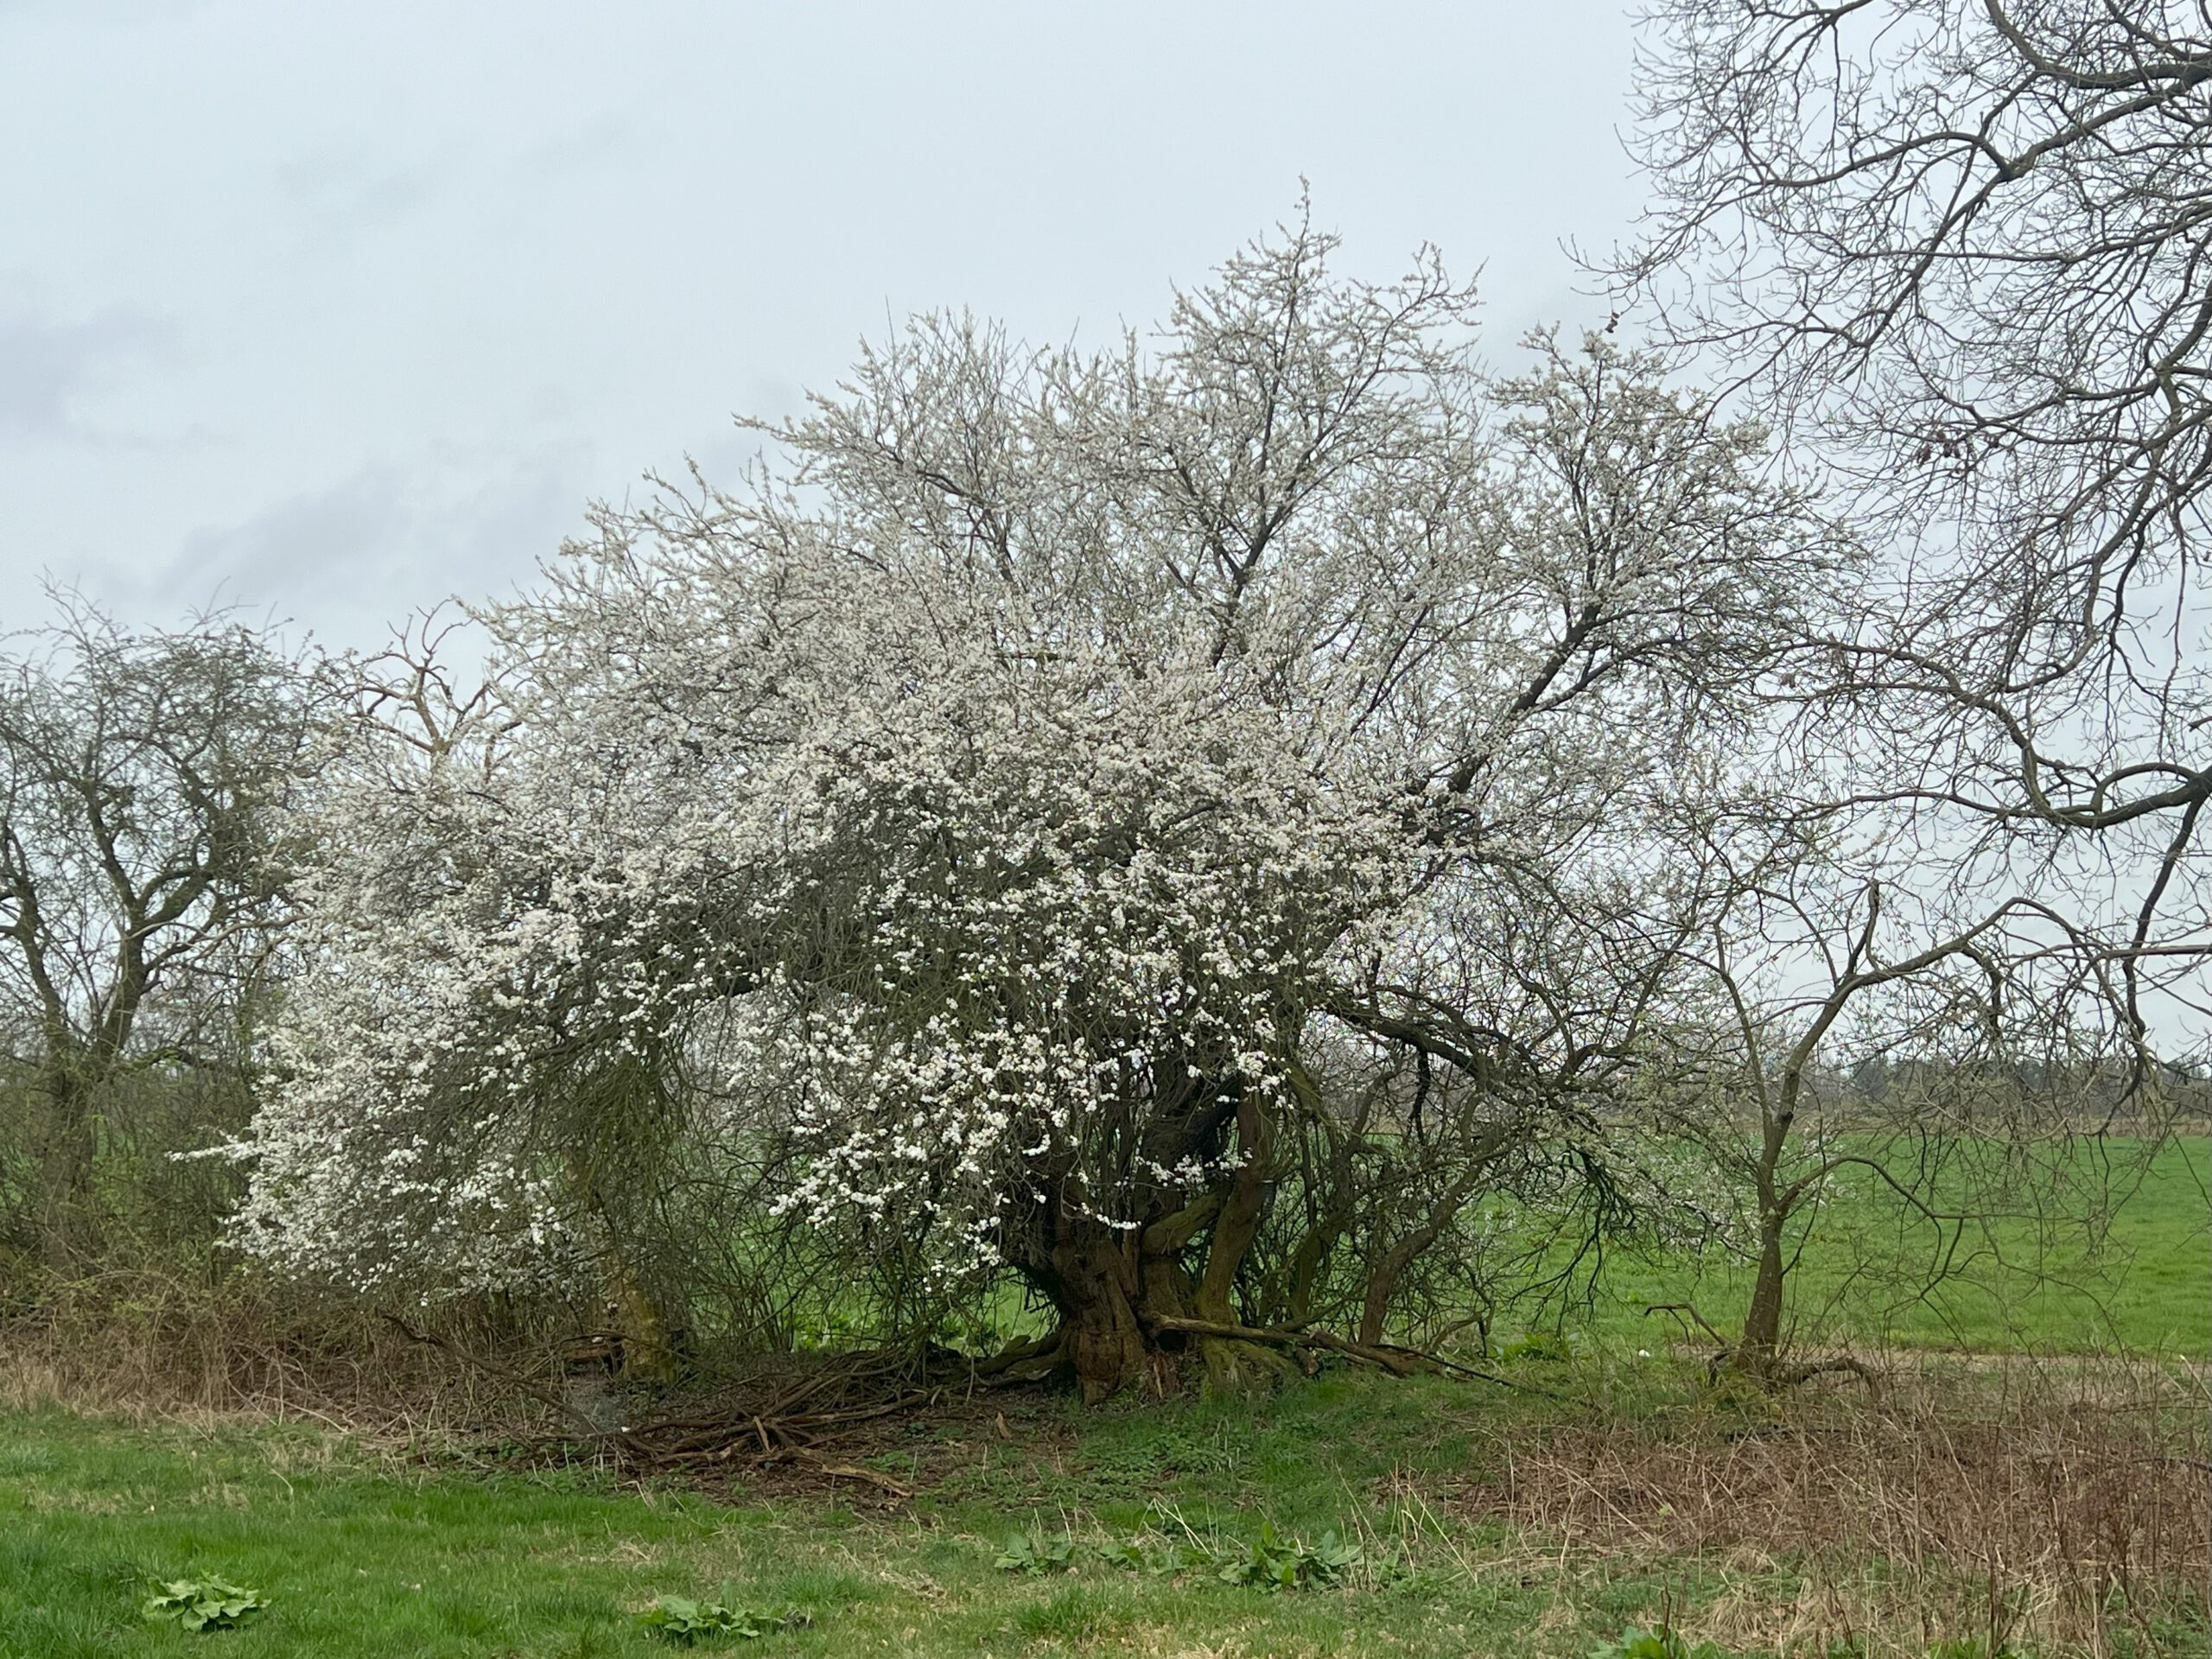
x=331, y=311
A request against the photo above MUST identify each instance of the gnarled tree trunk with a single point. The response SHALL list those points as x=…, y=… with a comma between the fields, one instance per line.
x=1119, y=1288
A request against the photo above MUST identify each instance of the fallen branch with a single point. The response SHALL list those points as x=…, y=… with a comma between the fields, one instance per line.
x=1399, y=1361
x=821, y=1465
x=1792, y=1375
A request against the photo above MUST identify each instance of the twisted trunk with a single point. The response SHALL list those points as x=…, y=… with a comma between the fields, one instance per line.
x=1098, y=1292
x=1119, y=1289
x=1230, y=1364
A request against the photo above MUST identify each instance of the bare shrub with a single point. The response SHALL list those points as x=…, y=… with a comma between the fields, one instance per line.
x=148, y=1344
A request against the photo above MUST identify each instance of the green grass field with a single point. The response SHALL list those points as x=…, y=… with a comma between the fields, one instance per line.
x=360, y=1559
x=368, y=1551
x=2013, y=1286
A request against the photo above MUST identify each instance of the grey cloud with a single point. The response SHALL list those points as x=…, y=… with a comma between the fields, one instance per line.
x=45, y=367
x=372, y=546
x=598, y=142
x=506, y=229
x=354, y=187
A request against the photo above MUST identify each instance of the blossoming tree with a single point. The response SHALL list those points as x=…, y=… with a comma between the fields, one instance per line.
x=1069, y=816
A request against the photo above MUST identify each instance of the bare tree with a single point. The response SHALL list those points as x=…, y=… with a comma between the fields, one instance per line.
x=1965, y=250
x=137, y=775
x=1813, y=955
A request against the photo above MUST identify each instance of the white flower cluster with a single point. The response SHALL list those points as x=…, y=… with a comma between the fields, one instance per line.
x=981, y=806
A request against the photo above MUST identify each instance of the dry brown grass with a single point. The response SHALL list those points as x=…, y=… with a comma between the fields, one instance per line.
x=145, y=1344
x=2064, y=1504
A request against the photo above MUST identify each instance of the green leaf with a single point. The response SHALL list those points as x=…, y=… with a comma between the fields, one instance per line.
x=1665, y=1642
x=203, y=1604
x=680, y=1620
x=1032, y=1552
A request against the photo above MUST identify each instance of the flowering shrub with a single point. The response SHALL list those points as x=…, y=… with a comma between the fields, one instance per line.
x=1064, y=805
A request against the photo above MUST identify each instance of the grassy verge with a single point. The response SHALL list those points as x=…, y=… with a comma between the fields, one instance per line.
x=2058, y=1507
x=1492, y=1521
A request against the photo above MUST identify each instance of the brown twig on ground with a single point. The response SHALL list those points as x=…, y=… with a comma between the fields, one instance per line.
x=794, y=1418
x=520, y=1383
x=1778, y=1376
x=821, y=1465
